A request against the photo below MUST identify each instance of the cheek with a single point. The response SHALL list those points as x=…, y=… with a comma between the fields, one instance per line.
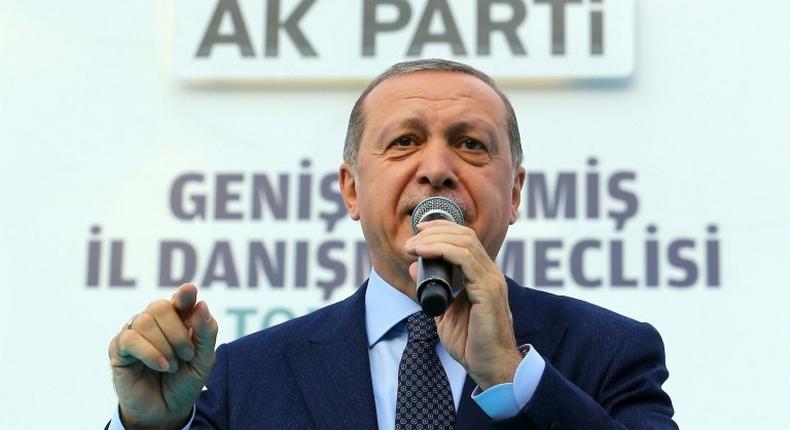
x=493, y=204
x=378, y=198
x=493, y=194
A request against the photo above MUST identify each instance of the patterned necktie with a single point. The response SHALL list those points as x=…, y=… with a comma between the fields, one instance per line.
x=425, y=401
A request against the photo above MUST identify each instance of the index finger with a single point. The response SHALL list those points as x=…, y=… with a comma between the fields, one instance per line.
x=184, y=299
x=434, y=223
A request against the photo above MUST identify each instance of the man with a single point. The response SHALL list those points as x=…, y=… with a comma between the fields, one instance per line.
x=505, y=356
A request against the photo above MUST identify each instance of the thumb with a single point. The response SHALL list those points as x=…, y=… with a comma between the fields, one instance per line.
x=413, y=271
x=204, y=335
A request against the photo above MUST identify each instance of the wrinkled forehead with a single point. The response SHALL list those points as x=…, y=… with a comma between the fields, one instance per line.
x=433, y=88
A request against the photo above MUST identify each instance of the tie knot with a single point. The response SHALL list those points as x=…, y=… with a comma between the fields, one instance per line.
x=421, y=327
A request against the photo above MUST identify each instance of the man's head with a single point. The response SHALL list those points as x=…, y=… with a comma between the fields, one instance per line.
x=356, y=122
x=433, y=128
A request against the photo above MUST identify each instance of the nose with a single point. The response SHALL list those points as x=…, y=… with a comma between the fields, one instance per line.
x=437, y=166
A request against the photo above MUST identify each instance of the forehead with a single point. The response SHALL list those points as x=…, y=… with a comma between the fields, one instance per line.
x=433, y=90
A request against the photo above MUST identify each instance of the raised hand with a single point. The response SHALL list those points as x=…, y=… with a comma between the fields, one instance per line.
x=477, y=328
x=161, y=360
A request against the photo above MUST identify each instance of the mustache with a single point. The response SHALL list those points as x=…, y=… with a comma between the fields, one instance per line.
x=410, y=201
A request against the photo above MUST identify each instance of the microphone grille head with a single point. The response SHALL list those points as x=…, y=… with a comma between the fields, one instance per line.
x=436, y=208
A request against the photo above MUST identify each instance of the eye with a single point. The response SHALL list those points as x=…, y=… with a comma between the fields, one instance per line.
x=404, y=141
x=470, y=144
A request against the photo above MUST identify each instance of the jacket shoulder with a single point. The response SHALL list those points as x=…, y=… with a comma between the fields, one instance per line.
x=273, y=339
x=582, y=318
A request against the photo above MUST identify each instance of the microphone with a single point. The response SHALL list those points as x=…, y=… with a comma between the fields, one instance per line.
x=435, y=275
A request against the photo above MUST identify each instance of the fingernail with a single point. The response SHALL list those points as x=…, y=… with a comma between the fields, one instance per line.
x=164, y=365
x=188, y=354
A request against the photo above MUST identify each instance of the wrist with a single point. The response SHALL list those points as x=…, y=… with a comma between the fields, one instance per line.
x=503, y=371
x=175, y=421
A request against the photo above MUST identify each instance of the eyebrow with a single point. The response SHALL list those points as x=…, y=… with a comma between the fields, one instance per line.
x=412, y=123
x=415, y=123
x=408, y=123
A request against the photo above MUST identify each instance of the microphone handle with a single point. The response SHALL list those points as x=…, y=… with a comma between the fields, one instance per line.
x=434, y=291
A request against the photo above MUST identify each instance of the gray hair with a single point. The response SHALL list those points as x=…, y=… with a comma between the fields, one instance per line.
x=356, y=122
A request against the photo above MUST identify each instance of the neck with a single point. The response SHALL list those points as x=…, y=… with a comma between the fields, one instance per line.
x=398, y=279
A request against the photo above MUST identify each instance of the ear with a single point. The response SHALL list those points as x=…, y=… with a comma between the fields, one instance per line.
x=348, y=189
x=518, y=184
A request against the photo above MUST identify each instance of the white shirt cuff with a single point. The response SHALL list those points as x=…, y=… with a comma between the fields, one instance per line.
x=506, y=400
x=115, y=423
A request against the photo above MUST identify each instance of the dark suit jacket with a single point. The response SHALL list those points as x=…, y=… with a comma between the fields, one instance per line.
x=603, y=371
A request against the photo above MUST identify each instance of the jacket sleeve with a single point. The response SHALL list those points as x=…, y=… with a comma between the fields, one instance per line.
x=629, y=397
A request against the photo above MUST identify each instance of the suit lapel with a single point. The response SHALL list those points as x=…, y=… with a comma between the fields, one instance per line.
x=532, y=323
x=332, y=368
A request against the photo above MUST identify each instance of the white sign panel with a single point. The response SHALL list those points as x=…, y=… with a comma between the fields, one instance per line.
x=357, y=39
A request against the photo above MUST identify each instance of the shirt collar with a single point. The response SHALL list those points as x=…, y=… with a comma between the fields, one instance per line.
x=385, y=307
